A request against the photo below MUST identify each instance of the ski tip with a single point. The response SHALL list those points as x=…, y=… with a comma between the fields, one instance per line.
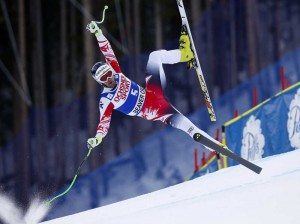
x=212, y=118
x=258, y=170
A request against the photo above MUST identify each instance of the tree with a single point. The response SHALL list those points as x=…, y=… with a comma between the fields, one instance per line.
x=22, y=162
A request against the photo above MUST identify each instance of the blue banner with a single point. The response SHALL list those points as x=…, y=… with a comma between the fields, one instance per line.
x=273, y=127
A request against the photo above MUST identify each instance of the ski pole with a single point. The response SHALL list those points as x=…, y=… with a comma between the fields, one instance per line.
x=74, y=179
x=103, y=15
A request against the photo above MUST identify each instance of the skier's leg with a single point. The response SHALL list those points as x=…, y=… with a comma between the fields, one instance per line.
x=177, y=120
x=154, y=70
x=155, y=75
x=155, y=105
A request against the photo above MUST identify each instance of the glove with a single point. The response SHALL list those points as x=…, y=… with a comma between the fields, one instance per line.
x=93, y=28
x=93, y=142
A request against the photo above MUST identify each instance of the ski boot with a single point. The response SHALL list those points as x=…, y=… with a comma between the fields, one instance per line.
x=217, y=147
x=187, y=54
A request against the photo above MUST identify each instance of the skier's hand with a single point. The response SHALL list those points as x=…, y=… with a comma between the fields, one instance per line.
x=93, y=142
x=93, y=28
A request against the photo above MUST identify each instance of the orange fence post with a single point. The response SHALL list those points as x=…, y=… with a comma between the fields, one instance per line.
x=282, y=77
x=196, y=165
x=236, y=113
x=255, y=96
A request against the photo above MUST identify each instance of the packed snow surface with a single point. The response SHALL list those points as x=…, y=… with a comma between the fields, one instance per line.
x=232, y=195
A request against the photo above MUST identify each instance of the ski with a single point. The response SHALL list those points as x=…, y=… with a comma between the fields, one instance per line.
x=226, y=152
x=196, y=64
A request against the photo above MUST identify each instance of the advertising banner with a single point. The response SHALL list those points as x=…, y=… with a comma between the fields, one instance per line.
x=270, y=128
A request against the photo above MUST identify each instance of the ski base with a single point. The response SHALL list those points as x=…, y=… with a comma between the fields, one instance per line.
x=210, y=144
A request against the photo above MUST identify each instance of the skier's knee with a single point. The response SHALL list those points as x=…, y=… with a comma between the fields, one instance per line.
x=155, y=55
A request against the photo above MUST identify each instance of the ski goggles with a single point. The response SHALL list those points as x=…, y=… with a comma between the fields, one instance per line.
x=102, y=72
x=106, y=76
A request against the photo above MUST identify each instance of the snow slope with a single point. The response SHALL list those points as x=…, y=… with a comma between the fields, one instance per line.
x=232, y=195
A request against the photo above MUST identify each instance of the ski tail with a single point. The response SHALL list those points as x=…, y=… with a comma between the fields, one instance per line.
x=226, y=152
x=207, y=99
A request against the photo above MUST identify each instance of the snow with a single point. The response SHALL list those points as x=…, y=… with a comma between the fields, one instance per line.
x=12, y=213
x=232, y=195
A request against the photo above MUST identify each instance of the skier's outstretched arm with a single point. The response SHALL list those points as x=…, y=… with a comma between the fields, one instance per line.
x=104, y=46
x=105, y=108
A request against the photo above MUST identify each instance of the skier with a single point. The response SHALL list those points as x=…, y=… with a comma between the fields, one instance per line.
x=122, y=94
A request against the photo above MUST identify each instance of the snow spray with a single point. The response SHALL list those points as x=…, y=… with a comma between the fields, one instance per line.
x=11, y=213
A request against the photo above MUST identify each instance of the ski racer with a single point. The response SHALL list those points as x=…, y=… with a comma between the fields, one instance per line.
x=122, y=94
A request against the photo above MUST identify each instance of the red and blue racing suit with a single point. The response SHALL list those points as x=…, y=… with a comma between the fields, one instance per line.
x=134, y=100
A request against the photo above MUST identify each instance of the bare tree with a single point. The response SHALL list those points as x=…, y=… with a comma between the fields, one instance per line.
x=75, y=83
x=158, y=24
x=63, y=50
x=137, y=35
x=39, y=91
x=233, y=65
x=92, y=104
x=196, y=12
x=128, y=25
x=252, y=36
x=22, y=163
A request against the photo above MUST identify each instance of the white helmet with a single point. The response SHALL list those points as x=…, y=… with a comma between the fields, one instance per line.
x=99, y=70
